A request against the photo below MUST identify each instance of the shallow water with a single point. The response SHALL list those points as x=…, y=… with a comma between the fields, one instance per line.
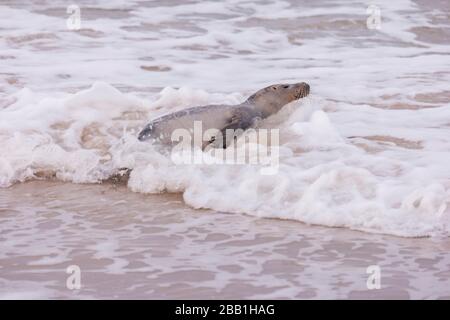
x=130, y=245
x=367, y=150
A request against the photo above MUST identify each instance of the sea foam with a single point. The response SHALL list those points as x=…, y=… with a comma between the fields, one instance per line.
x=368, y=150
x=380, y=177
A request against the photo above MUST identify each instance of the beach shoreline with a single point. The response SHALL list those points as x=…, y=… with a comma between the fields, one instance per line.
x=136, y=246
x=368, y=149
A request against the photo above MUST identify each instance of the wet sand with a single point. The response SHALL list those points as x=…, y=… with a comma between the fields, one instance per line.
x=131, y=245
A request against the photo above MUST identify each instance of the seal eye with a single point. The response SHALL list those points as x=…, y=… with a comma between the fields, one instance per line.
x=286, y=86
x=274, y=88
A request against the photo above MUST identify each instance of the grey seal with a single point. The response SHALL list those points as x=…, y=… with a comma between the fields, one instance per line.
x=259, y=105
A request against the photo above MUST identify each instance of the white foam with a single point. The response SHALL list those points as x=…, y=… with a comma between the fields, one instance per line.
x=328, y=181
x=391, y=176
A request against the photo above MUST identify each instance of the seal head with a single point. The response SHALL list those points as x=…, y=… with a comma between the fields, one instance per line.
x=271, y=99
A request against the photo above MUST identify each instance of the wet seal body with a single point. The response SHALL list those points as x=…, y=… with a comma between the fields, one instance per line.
x=259, y=105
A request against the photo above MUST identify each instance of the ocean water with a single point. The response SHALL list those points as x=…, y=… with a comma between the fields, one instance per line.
x=136, y=246
x=368, y=150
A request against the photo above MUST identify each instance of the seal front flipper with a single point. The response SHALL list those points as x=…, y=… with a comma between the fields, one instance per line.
x=221, y=140
x=241, y=119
